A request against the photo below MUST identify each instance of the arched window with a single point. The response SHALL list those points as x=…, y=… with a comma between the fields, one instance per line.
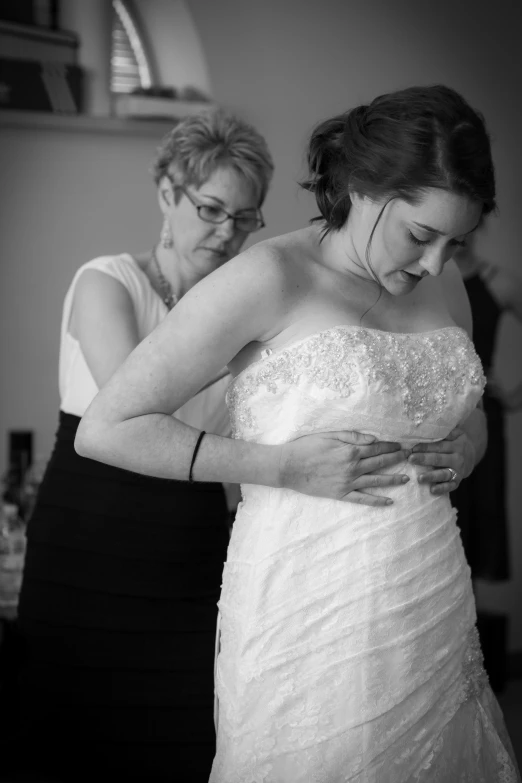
x=130, y=65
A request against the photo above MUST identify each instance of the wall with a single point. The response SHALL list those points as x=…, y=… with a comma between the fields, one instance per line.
x=177, y=48
x=66, y=197
x=92, y=22
x=286, y=64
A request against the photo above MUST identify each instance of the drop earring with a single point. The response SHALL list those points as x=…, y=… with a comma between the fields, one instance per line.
x=166, y=234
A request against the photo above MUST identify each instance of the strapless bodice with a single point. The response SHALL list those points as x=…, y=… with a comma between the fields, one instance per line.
x=396, y=386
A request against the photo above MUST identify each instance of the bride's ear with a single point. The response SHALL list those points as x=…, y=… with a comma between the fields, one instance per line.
x=358, y=200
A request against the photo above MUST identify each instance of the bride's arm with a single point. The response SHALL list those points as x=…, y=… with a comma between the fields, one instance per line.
x=129, y=423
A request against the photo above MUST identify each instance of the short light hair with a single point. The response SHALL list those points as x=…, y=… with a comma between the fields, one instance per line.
x=200, y=144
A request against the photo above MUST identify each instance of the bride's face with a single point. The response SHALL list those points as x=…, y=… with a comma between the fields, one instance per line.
x=411, y=241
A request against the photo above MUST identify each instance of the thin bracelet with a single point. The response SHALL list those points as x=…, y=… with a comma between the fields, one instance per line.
x=195, y=454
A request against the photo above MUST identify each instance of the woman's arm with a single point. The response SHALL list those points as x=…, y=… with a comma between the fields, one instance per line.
x=129, y=423
x=104, y=323
x=505, y=287
x=451, y=460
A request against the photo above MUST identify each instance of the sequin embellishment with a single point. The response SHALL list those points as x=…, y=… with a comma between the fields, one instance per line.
x=423, y=368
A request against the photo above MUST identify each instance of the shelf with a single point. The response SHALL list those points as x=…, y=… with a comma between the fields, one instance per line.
x=83, y=123
x=35, y=33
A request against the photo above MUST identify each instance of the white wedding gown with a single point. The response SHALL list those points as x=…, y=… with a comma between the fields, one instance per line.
x=347, y=645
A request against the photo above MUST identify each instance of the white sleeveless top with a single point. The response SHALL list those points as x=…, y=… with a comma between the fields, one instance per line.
x=207, y=410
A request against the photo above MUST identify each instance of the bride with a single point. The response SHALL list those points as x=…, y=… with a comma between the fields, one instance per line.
x=347, y=648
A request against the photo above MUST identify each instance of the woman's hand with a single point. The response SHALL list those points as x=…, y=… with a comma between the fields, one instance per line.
x=342, y=466
x=450, y=460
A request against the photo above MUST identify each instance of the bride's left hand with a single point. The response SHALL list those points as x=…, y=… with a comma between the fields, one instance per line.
x=448, y=461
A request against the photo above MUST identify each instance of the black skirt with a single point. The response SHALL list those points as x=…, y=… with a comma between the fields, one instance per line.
x=117, y=621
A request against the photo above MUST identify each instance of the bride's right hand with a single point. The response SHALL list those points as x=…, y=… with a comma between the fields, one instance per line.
x=341, y=466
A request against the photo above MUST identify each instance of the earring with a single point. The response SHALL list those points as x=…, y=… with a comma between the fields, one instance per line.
x=166, y=234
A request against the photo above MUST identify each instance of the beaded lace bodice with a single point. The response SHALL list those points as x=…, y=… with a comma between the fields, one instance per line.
x=416, y=385
x=347, y=641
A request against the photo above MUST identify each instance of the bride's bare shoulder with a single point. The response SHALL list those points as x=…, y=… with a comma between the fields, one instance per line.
x=280, y=261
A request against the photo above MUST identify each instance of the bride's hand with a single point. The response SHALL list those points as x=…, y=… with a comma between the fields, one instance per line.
x=341, y=466
x=450, y=460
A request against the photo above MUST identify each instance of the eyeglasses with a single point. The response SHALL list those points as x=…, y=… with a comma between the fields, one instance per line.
x=211, y=213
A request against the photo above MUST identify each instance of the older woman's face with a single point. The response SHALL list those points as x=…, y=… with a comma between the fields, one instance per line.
x=205, y=245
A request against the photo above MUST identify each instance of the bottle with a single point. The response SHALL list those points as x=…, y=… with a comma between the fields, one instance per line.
x=12, y=555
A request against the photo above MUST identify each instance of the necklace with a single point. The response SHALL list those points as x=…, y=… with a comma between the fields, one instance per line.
x=166, y=292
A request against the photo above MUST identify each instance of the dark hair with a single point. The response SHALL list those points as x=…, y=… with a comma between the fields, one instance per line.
x=398, y=145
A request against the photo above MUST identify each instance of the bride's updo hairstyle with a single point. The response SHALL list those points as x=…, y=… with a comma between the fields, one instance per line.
x=396, y=146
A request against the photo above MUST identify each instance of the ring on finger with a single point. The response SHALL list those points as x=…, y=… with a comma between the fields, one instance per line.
x=453, y=474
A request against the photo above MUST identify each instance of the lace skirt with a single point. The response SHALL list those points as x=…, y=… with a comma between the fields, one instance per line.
x=348, y=649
